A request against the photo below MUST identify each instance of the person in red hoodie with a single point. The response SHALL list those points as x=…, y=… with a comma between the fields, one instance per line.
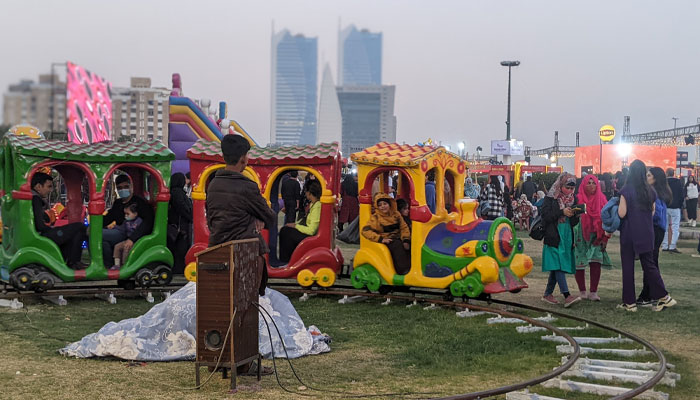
x=589, y=237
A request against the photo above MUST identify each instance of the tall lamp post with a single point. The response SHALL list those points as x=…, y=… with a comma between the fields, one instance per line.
x=675, y=119
x=509, y=64
x=460, y=146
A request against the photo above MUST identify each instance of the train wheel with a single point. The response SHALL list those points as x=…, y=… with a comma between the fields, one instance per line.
x=162, y=275
x=325, y=277
x=191, y=272
x=43, y=282
x=358, y=277
x=473, y=286
x=305, y=277
x=22, y=278
x=144, y=278
x=374, y=282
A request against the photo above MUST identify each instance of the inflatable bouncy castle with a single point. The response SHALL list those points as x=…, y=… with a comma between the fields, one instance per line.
x=189, y=122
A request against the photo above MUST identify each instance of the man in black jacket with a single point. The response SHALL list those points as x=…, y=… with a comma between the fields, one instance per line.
x=69, y=238
x=110, y=237
x=528, y=188
x=235, y=208
x=673, y=212
x=291, y=194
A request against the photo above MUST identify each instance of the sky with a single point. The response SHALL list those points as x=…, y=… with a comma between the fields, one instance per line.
x=583, y=64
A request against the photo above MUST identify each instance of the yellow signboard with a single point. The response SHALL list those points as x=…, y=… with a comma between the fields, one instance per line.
x=607, y=133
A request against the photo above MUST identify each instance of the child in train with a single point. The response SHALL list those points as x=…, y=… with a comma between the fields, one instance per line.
x=387, y=226
x=131, y=222
x=405, y=211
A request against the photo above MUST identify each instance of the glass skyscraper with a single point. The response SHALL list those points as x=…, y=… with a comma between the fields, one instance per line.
x=294, y=87
x=368, y=116
x=359, y=57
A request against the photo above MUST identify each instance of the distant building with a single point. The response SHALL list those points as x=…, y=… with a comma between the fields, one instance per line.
x=140, y=112
x=29, y=102
x=330, y=120
x=359, y=57
x=368, y=116
x=294, y=89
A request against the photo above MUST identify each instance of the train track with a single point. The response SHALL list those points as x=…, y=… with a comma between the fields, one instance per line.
x=645, y=375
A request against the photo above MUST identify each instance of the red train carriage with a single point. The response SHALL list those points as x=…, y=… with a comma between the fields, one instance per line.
x=316, y=259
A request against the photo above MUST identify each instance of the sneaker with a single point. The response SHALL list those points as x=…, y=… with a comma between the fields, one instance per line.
x=674, y=251
x=593, y=296
x=627, y=307
x=550, y=299
x=571, y=300
x=645, y=303
x=664, y=303
x=582, y=294
x=664, y=250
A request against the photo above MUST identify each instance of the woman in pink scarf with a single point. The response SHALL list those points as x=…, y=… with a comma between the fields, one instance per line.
x=589, y=238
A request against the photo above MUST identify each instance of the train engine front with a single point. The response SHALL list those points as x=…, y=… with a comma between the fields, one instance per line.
x=452, y=244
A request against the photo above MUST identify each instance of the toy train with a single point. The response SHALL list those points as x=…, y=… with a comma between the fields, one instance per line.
x=450, y=248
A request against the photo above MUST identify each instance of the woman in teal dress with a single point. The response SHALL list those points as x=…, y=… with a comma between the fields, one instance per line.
x=558, y=252
x=589, y=237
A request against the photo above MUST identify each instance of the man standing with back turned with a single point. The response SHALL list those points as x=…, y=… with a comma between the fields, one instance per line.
x=673, y=212
x=235, y=208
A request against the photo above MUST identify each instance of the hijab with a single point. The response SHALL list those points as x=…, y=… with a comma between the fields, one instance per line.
x=590, y=221
x=177, y=181
x=565, y=200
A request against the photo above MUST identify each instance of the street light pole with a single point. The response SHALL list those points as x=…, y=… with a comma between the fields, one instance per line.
x=675, y=119
x=509, y=64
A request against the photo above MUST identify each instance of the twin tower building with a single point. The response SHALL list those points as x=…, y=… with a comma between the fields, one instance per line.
x=358, y=112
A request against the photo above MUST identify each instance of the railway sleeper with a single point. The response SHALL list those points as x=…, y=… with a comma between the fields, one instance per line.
x=526, y=395
x=620, y=364
x=587, y=340
x=628, y=376
x=601, y=390
x=568, y=349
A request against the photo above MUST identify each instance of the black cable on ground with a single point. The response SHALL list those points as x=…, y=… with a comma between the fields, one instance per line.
x=340, y=393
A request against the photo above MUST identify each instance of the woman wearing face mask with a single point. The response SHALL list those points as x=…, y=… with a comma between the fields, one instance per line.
x=590, y=238
x=387, y=226
x=558, y=251
x=636, y=211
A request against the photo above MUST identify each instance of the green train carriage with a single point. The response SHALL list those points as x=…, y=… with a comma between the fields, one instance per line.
x=30, y=261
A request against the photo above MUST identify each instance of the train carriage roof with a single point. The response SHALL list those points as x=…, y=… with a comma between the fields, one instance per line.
x=108, y=152
x=323, y=153
x=390, y=154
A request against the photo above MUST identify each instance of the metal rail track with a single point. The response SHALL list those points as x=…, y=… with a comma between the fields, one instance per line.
x=429, y=297
x=423, y=295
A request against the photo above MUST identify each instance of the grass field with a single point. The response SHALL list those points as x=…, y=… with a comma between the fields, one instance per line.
x=375, y=349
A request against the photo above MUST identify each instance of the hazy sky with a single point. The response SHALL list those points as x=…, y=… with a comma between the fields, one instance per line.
x=584, y=64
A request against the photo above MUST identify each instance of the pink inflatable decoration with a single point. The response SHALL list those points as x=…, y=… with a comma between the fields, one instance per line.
x=88, y=106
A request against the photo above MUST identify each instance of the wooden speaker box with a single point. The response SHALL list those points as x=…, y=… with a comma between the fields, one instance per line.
x=228, y=278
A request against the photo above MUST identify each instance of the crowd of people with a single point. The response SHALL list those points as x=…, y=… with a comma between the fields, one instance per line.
x=579, y=216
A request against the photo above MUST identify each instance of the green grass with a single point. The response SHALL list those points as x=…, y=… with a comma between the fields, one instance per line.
x=375, y=348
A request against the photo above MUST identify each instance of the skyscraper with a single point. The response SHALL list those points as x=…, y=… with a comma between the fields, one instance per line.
x=294, y=87
x=359, y=57
x=368, y=116
x=330, y=121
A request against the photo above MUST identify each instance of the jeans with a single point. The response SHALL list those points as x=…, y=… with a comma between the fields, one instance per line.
x=110, y=238
x=556, y=277
x=674, y=219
